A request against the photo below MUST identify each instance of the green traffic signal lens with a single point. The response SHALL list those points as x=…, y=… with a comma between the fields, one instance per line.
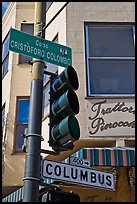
x=67, y=130
x=66, y=104
x=74, y=127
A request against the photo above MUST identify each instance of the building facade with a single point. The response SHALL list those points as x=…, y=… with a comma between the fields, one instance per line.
x=102, y=38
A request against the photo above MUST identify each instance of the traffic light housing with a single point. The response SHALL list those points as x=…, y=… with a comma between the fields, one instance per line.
x=60, y=196
x=64, y=104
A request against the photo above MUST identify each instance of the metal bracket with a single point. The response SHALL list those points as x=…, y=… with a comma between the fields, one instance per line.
x=49, y=185
x=32, y=134
x=50, y=73
x=49, y=152
x=37, y=60
x=31, y=178
x=67, y=147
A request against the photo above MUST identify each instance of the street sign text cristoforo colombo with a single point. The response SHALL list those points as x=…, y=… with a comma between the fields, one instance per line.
x=39, y=48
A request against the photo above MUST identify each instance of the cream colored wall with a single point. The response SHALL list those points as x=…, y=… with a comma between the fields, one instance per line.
x=6, y=82
x=19, y=86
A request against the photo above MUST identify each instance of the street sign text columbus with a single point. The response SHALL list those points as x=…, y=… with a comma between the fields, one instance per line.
x=77, y=174
x=39, y=48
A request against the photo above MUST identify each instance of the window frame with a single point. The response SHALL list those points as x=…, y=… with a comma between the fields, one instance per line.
x=6, y=56
x=21, y=29
x=48, y=4
x=44, y=116
x=15, y=150
x=3, y=117
x=88, y=58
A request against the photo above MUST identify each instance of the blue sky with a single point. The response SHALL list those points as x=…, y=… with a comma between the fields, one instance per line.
x=4, y=7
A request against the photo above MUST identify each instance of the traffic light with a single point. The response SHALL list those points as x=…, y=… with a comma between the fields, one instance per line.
x=64, y=104
x=60, y=196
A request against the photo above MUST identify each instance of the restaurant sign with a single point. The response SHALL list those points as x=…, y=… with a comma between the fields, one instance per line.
x=111, y=117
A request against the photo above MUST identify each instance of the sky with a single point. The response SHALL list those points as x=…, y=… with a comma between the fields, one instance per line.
x=4, y=7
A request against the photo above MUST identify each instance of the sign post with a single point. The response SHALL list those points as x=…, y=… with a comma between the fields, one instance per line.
x=32, y=177
x=39, y=48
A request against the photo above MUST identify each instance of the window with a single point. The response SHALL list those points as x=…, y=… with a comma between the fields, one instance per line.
x=110, y=55
x=22, y=121
x=5, y=55
x=48, y=4
x=46, y=83
x=27, y=28
x=46, y=97
x=3, y=116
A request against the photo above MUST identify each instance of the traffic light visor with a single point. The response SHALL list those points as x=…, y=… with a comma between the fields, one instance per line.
x=60, y=196
x=68, y=79
x=65, y=131
x=66, y=104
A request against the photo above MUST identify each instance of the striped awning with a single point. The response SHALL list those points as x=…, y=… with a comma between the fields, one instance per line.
x=17, y=195
x=105, y=156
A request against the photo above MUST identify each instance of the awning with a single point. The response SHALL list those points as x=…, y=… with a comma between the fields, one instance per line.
x=105, y=156
x=17, y=195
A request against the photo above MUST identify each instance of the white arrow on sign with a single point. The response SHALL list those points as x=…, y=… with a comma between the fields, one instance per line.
x=76, y=174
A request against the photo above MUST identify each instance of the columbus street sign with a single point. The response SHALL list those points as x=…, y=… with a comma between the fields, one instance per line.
x=77, y=174
x=39, y=48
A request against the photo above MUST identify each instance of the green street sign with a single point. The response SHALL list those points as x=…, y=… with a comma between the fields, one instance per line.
x=39, y=48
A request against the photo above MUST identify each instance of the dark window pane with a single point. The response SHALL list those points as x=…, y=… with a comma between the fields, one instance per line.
x=5, y=66
x=115, y=73
x=20, y=139
x=27, y=28
x=111, y=41
x=3, y=116
x=48, y=4
x=45, y=104
x=23, y=111
x=24, y=59
x=112, y=77
x=5, y=47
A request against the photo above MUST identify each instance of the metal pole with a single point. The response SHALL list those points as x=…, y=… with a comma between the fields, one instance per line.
x=33, y=157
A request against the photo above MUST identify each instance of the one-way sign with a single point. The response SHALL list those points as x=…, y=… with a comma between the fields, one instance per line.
x=76, y=174
x=79, y=161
